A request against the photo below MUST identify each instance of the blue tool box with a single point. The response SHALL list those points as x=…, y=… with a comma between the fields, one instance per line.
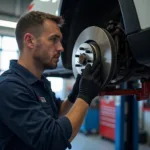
x=91, y=121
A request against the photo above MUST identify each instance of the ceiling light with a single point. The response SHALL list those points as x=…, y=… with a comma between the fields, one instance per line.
x=8, y=24
x=56, y=13
x=54, y=1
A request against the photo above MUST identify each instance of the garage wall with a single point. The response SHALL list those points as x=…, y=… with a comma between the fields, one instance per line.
x=7, y=31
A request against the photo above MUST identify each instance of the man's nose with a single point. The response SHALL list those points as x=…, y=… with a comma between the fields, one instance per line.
x=60, y=47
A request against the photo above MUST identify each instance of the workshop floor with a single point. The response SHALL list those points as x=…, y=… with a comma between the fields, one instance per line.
x=82, y=142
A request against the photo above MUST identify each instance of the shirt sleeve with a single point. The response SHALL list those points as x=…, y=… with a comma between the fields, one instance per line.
x=26, y=118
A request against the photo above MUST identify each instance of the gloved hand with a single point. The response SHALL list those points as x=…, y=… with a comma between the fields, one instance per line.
x=75, y=90
x=90, y=82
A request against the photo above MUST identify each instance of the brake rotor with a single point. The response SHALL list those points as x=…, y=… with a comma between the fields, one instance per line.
x=93, y=43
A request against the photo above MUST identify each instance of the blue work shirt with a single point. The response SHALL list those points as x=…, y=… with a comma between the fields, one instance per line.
x=29, y=113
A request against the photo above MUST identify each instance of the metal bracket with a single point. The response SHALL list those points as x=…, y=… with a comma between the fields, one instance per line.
x=141, y=93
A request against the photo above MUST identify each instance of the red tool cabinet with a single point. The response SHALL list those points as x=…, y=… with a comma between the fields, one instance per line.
x=107, y=117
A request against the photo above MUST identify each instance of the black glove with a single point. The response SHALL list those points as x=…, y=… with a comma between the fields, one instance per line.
x=75, y=90
x=90, y=82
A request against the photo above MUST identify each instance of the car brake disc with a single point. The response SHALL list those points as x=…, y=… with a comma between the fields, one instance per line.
x=95, y=43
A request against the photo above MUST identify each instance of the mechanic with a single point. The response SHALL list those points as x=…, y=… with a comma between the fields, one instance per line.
x=31, y=117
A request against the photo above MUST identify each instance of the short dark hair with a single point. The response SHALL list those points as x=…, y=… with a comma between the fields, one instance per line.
x=31, y=22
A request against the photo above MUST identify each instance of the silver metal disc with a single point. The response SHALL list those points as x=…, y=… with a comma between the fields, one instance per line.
x=105, y=50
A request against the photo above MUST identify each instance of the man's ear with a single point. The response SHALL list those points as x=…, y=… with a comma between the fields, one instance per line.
x=29, y=40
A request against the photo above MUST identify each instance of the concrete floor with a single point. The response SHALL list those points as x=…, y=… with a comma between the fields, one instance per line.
x=82, y=142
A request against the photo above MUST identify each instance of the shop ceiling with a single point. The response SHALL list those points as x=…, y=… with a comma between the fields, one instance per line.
x=13, y=8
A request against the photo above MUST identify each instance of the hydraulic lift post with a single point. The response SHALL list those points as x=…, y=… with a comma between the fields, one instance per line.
x=127, y=133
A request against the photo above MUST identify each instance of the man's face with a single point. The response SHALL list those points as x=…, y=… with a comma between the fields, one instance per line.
x=48, y=46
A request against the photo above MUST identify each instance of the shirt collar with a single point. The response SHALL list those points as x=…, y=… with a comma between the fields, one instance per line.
x=24, y=73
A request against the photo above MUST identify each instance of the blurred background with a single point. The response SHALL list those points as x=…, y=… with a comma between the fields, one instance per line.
x=105, y=121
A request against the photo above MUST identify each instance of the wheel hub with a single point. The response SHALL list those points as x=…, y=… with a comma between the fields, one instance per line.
x=85, y=54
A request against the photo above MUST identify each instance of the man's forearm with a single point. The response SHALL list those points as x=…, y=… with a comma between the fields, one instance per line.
x=65, y=107
x=76, y=116
x=89, y=88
